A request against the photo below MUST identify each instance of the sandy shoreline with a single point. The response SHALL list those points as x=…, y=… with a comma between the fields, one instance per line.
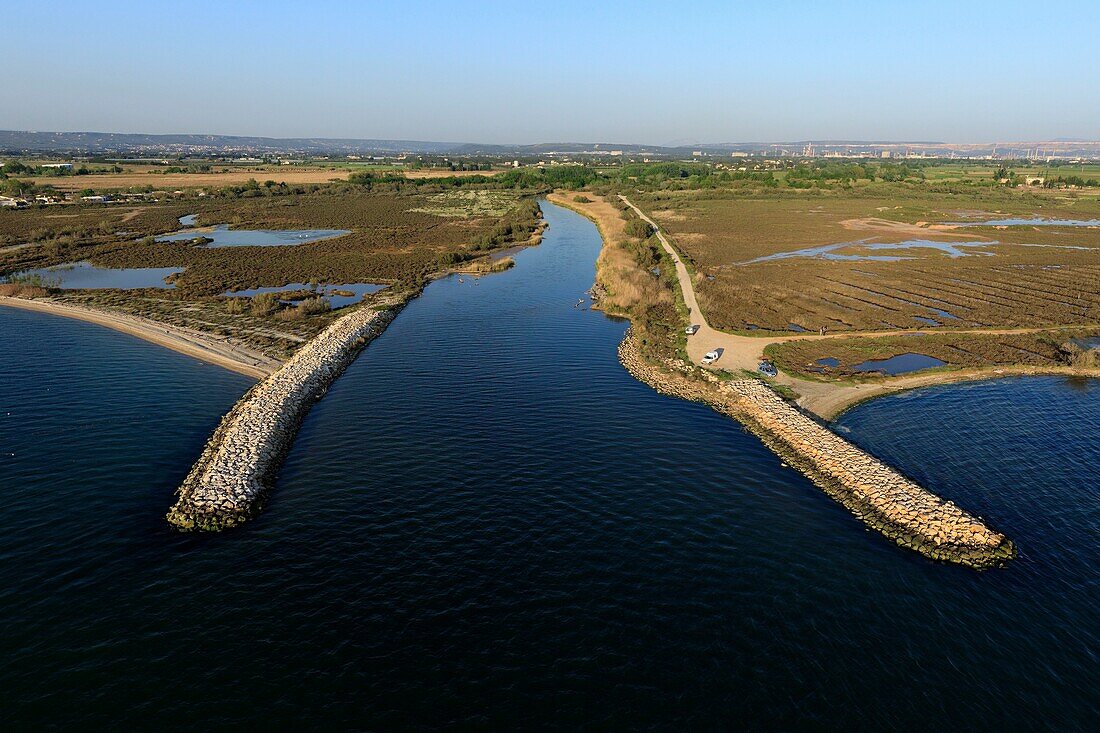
x=185, y=341
x=829, y=401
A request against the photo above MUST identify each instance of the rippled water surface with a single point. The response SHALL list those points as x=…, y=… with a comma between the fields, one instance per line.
x=487, y=523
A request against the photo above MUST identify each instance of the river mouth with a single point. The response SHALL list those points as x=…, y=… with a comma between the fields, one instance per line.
x=487, y=516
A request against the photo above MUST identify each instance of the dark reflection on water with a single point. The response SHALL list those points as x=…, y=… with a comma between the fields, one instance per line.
x=900, y=364
x=223, y=236
x=487, y=523
x=85, y=275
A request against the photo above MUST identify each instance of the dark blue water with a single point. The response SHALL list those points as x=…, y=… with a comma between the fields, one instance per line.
x=487, y=523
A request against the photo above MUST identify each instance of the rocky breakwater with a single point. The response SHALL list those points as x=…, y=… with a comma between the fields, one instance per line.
x=231, y=479
x=876, y=493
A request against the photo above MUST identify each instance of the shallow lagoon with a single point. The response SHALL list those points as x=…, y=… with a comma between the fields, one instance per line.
x=1035, y=222
x=828, y=251
x=900, y=364
x=223, y=236
x=86, y=276
x=328, y=292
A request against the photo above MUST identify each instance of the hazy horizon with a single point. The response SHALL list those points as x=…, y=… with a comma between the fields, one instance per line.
x=496, y=73
x=647, y=143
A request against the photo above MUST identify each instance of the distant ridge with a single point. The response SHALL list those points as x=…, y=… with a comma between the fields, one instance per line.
x=15, y=142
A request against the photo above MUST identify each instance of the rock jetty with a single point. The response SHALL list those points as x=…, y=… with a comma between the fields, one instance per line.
x=876, y=493
x=231, y=479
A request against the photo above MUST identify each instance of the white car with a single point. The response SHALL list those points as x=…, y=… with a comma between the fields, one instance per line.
x=711, y=356
x=691, y=330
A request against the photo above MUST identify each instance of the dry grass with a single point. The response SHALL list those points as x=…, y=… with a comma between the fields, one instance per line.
x=388, y=243
x=1011, y=286
x=141, y=176
x=632, y=278
x=959, y=351
x=486, y=266
x=137, y=178
x=19, y=290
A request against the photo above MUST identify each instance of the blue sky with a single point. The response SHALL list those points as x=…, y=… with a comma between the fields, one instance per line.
x=515, y=72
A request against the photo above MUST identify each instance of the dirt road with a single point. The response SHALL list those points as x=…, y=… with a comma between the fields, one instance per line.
x=824, y=399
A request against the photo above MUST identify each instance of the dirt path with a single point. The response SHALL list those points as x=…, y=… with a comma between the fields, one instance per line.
x=198, y=345
x=825, y=399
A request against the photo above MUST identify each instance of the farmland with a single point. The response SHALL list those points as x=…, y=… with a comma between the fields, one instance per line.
x=168, y=178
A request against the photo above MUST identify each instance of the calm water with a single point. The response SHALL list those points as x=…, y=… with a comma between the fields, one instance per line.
x=1035, y=222
x=85, y=275
x=487, y=523
x=900, y=364
x=327, y=292
x=223, y=236
x=828, y=251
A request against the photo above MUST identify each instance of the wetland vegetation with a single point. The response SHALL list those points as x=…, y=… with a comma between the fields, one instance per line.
x=394, y=234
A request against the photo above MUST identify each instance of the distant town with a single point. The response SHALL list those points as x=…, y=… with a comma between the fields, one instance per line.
x=169, y=148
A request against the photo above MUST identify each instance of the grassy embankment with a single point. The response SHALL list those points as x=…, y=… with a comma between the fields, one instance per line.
x=634, y=278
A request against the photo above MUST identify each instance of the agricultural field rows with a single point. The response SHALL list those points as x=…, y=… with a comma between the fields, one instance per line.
x=974, y=276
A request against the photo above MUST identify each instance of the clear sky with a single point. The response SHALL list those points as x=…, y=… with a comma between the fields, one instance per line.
x=521, y=72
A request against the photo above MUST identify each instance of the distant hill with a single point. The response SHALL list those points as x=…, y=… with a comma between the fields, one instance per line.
x=107, y=142
x=15, y=142
x=98, y=143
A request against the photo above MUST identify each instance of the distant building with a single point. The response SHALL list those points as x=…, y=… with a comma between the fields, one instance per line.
x=1035, y=180
x=884, y=154
x=58, y=166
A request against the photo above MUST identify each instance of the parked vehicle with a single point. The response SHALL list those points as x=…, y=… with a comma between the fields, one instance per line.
x=691, y=330
x=711, y=356
x=767, y=369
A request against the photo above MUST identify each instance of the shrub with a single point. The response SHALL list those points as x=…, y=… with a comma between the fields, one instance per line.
x=236, y=306
x=265, y=304
x=313, y=306
x=638, y=229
